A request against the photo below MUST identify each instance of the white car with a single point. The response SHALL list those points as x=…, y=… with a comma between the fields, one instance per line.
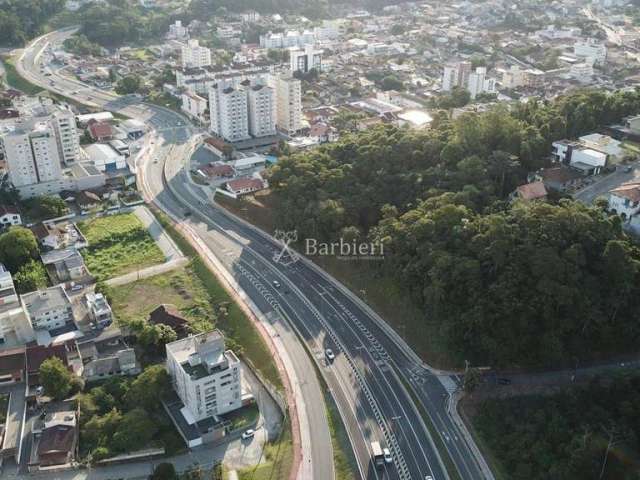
x=330, y=355
x=387, y=455
x=276, y=283
x=248, y=434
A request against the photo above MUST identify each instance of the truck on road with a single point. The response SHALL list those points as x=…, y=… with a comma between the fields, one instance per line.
x=377, y=455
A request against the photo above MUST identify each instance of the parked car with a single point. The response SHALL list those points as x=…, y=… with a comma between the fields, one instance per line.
x=248, y=434
x=276, y=284
x=504, y=381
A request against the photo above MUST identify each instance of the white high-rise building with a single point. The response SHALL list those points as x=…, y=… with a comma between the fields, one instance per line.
x=262, y=110
x=456, y=75
x=177, y=30
x=31, y=152
x=228, y=110
x=64, y=122
x=592, y=51
x=205, y=376
x=289, y=103
x=479, y=83
x=304, y=59
x=195, y=56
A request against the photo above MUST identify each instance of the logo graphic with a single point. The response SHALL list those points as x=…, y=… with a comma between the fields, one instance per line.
x=286, y=256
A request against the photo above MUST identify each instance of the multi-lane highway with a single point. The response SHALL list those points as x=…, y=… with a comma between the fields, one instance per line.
x=373, y=366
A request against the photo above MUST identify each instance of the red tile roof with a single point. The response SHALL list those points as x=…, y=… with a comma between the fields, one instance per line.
x=532, y=191
x=99, y=130
x=630, y=191
x=245, y=183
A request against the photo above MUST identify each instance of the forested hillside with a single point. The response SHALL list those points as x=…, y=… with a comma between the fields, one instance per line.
x=21, y=20
x=586, y=433
x=521, y=285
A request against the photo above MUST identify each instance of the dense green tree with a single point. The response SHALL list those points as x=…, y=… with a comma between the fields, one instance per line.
x=148, y=388
x=56, y=378
x=30, y=276
x=135, y=430
x=129, y=84
x=18, y=246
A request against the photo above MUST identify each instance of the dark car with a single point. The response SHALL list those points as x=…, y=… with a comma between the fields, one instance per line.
x=504, y=381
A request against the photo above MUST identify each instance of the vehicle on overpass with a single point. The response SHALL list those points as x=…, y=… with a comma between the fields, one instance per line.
x=377, y=455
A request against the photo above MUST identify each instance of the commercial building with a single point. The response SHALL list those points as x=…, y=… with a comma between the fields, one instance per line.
x=195, y=56
x=289, y=103
x=105, y=158
x=579, y=157
x=205, y=376
x=305, y=59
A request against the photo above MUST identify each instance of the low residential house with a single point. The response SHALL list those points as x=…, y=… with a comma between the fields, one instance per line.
x=123, y=362
x=167, y=314
x=244, y=186
x=9, y=216
x=323, y=133
x=559, y=179
x=12, y=365
x=48, y=309
x=55, y=441
x=47, y=236
x=605, y=144
x=625, y=200
x=217, y=170
x=67, y=352
x=64, y=265
x=579, y=156
x=87, y=201
x=530, y=191
x=99, y=309
x=100, y=131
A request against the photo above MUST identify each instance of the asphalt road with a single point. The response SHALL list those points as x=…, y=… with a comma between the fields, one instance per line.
x=372, y=367
x=604, y=184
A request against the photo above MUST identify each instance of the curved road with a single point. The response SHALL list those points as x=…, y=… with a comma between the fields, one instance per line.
x=373, y=366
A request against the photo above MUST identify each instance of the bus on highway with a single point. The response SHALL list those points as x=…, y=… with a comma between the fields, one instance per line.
x=376, y=454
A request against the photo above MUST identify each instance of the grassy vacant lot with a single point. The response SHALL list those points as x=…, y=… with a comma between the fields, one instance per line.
x=181, y=288
x=14, y=80
x=235, y=325
x=379, y=292
x=118, y=244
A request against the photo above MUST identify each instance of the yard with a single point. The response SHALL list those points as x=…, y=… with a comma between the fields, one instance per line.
x=181, y=288
x=118, y=244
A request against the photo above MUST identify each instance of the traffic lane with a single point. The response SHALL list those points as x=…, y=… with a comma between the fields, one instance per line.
x=362, y=415
x=397, y=407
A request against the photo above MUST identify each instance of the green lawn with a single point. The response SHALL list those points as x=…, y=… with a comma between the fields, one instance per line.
x=241, y=419
x=14, y=80
x=181, y=288
x=118, y=244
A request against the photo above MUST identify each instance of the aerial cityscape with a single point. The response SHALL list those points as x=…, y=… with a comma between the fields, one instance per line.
x=319, y=240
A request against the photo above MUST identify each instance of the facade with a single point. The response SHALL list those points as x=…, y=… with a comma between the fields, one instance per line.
x=48, y=309
x=229, y=114
x=305, y=59
x=67, y=138
x=205, y=376
x=289, y=104
x=262, y=110
x=15, y=328
x=625, y=199
x=195, y=56
x=105, y=158
x=288, y=39
x=9, y=216
x=194, y=105
x=479, y=83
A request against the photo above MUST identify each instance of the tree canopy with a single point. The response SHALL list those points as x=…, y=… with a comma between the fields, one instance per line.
x=17, y=247
x=56, y=379
x=21, y=20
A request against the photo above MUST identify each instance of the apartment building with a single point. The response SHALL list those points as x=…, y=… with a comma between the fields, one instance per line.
x=49, y=308
x=305, y=59
x=262, y=110
x=205, y=376
x=228, y=111
x=479, y=83
x=195, y=56
x=287, y=39
x=289, y=103
x=456, y=75
x=194, y=105
x=67, y=138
